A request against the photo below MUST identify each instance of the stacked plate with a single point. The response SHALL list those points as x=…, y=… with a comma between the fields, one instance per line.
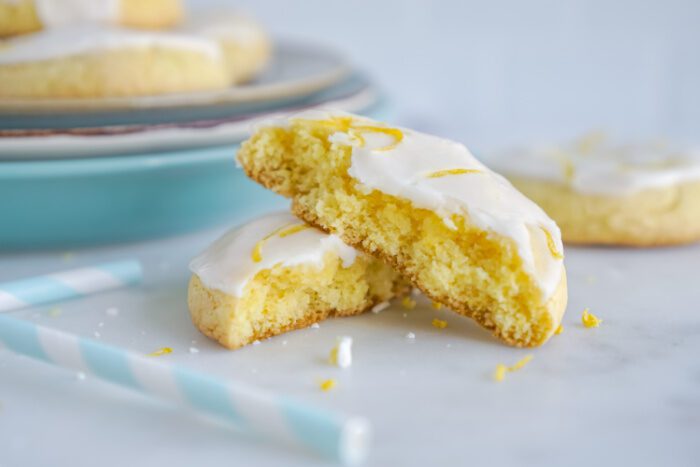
x=78, y=172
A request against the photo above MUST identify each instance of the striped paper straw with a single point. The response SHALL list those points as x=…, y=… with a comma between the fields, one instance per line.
x=68, y=284
x=338, y=437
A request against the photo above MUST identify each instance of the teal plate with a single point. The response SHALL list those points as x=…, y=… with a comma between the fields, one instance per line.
x=80, y=202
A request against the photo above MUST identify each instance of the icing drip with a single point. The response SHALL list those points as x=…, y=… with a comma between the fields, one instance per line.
x=280, y=238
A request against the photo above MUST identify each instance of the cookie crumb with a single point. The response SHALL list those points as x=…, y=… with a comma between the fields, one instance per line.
x=256, y=342
x=590, y=320
x=415, y=291
x=408, y=303
x=160, y=352
x=284, y=342
x=439, y=323
x=341, y=354
x=194, y=350
x=328, y=384
x=315, y=326
x=410, y=335
x=501, y=369
x=500, y=372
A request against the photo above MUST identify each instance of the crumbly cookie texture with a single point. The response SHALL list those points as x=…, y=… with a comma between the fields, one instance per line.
x=603, y=192
x=26, y=16
x=514, y=286
x=253, y=284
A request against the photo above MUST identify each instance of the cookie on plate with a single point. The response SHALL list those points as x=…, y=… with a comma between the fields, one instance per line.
x=24, y=16
x=460, y=232
x=245, y=44
x=611, y=194
x=90, y=60
x=276, y=274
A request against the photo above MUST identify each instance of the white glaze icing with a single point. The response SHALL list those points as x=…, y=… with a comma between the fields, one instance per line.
x=595, y=165
x=89, y=38
x=227, y=265
x=61, y=12
x=488, y=200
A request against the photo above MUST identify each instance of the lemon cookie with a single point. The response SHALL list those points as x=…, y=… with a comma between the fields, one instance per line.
x=277, y=274
x=604, y=193
x=425, y=205
x=91, y=60
x=23, y=16
x=245, y=44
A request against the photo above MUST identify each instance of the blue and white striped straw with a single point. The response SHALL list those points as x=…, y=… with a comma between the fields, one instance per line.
x=68, y=284
x=338, y=437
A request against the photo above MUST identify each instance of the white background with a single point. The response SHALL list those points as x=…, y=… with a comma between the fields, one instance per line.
x=496, y=72
x=487, y=73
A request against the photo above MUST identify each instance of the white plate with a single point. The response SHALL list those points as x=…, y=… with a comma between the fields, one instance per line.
x=160, y=138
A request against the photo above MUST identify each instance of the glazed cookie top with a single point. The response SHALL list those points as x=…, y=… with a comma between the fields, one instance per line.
x=595, y=165
x=276, y=239
x=59, y=12
x=85, y=38
x=444, y=177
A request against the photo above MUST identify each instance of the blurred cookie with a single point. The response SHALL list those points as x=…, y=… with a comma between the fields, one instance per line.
x=245, y=44
x=23, y=16
x=89, y=60
x=601, y=193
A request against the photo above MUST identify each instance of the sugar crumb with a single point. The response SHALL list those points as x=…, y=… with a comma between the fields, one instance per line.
x=379, y=307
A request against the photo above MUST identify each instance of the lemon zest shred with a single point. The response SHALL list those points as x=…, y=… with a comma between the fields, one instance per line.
x=501, y=369
x=556, y=254
x=284, y=231
x=160, y=352
x=327, y=385
x=439, y=323
x=447, y=172
x=500, y=373
x=408, y=303
x=333, y=357
x=559, y=329
x=352, y=127
x=590, y=320
x=292, y=230
x=436, y=305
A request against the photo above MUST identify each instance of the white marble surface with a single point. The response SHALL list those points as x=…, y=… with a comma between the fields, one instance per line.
x=627, y=393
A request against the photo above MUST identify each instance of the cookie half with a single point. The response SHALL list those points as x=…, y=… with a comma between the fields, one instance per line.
x=276, y=274
x=611, y=194
x=426, y=206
